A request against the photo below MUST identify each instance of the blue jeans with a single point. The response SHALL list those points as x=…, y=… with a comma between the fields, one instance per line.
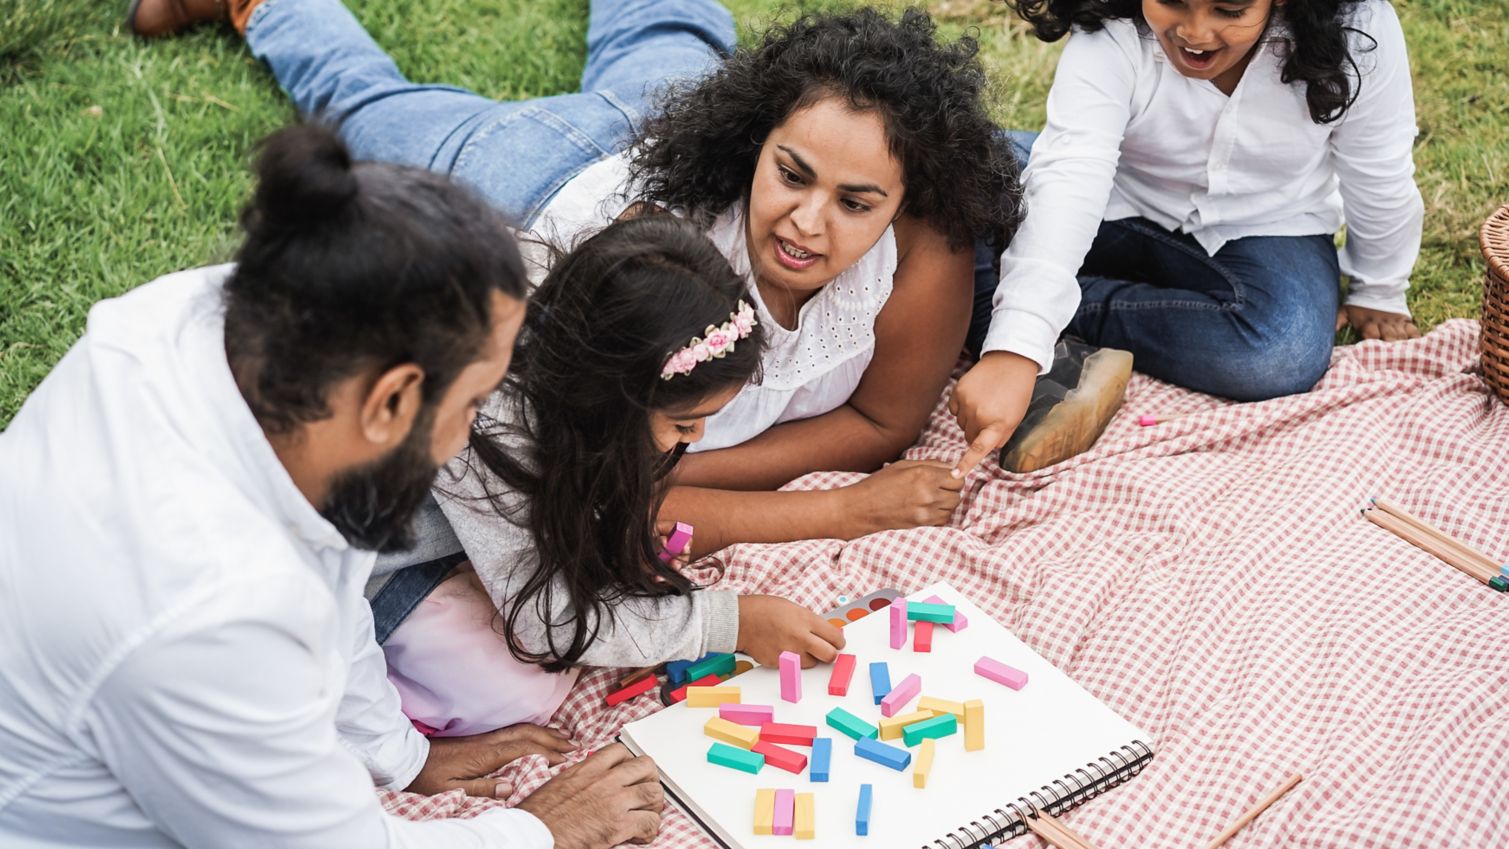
x=516, y=154
x=1255, y=321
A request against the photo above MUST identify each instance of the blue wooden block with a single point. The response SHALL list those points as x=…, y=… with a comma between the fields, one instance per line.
x=862, y=811
x=882, y=753
x=880, y=680
x=676, y=670
x=822, y=755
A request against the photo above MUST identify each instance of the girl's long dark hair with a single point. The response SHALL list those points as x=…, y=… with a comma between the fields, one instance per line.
x=1317, y=53
x=584, y=380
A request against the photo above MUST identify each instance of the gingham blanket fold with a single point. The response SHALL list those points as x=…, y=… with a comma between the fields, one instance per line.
x=1211, y=579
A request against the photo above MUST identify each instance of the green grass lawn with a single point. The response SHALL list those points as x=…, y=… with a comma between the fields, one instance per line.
x=122, y=160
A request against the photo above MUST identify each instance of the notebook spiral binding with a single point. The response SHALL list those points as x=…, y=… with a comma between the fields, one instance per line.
x=1055, y=798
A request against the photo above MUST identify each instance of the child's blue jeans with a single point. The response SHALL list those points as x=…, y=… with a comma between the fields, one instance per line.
x=1255, y=321
x=516, y=154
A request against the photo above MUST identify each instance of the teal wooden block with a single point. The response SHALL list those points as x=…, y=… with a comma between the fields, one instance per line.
x=721, y=665
x=919, y=611
x=851, y=725
x=733, y=757
x=939, y=726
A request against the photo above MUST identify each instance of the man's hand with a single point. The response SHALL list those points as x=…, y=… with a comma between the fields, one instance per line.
x=989, y=402
x=1377, y=324
x=607, y=799
x=466, y=762
x=769, y=625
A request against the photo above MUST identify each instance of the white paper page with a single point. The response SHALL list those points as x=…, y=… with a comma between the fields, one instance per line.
x=1032, y=736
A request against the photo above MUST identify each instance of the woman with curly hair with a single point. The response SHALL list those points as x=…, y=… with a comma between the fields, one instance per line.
x=1198, y=159
x=845, y=166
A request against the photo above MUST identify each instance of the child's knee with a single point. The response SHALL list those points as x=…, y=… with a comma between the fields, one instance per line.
x=1275, y=365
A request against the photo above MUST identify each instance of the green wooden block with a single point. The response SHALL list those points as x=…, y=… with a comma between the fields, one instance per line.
x=938, y=726
x=733, y=757
x=721, y=665
x=919, y=611
x=851, y=725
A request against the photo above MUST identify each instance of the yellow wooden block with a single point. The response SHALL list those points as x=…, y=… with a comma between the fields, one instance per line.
x=923, y=763
x=938, y=706
x=732, y=733
x=974, y=725
x=705, y=697
x=890, y=729
x=802, y=823
x=764, y=811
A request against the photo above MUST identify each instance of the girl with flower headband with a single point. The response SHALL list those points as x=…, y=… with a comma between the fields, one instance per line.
x=631, y=342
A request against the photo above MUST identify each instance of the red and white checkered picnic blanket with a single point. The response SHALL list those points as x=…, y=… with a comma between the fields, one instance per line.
x=1211, y=579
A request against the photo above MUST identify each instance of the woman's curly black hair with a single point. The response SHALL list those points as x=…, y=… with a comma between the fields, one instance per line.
x=1316, y=54
x=698, y=153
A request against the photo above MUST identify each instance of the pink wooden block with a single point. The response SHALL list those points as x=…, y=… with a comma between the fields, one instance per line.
x=900, y=695
x=755, y=715
x=959, y=623
x=989, y=667
x=843, y=672
x=791, y=677
x=785, y=809
x=676, y=542
x=898, y=623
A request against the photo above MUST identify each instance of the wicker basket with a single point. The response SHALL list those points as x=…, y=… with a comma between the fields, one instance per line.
x=1495, y=339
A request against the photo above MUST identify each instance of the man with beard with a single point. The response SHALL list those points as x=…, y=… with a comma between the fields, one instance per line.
x=189, y=507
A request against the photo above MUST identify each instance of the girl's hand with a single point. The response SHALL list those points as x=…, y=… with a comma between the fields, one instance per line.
x=1377, y=324
x=663, y=529
x=770, y=625
x=904, y=494
x=989, y=402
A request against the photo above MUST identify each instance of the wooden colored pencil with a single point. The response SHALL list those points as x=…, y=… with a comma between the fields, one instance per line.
x=1252, y=814
x=1053, y=830
x=1467, y=551
x=1414, y=536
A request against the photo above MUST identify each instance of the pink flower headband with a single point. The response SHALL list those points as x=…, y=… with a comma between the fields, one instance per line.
x=715, y=342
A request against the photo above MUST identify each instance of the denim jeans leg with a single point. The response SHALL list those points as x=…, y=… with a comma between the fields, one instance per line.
x=634, y=47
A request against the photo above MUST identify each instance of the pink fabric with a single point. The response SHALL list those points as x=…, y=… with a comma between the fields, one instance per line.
x=1210, y=579
x=454, y=673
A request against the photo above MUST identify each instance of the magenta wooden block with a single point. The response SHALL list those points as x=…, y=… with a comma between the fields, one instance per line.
x=791, y=677
x=959, y=623
x=755, y=715
x=898, y=623
x=785, y=809
x=908, y=688
x=989, y=667
x=676, y=542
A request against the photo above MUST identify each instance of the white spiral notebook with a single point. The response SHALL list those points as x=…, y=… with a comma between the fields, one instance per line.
x=1050, y=745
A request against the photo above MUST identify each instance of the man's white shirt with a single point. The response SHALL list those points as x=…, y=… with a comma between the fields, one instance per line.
x=185, y=654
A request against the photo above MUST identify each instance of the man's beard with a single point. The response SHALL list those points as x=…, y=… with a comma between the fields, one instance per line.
x=373, y=506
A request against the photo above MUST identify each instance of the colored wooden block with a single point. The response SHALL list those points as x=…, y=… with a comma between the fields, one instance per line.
x=941, y=706
x=862, y=809
x=901, y=695
x=959, y=623
x=922, y=637
x=791, y=735
x=939, y=726
x=731, y=733
x=679, y=694
x=718, y=664
x=733, y=757
x=989, y=667
x=755, y=715
x=924, y=763
x=764, y=810
x=898, y=623
x=890, y=729
x=785, y=812
x=643, y=685
x=791, y=676
x=974, y=725
x=676, y=671
x=675, y=544
x=843, y=673
x=880, y=680
x=822, y=757
x=882, y=753
x=921, y=611
x=850, y=724
x=803, y=821
x=781, y=758
x=710, y=697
